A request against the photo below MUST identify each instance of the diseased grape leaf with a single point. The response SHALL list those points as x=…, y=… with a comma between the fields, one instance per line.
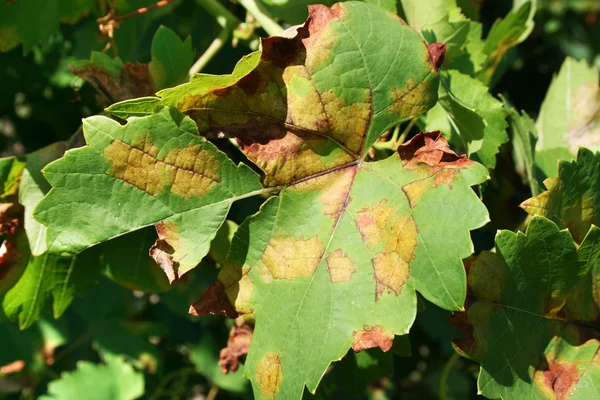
x=570, y=115
x=573, y=197
x=336, y=260
x=316, y=99
x=337, y=256
x=532, y=321
x=115, y=379
x=470, y=117
x=154, y=170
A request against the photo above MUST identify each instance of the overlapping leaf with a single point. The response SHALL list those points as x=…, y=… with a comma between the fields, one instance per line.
x=570, y=115
x=336, y=260
x=315, y=100
x=154, y=170
x=573, y=197
x=470, y=116
x=533, y=320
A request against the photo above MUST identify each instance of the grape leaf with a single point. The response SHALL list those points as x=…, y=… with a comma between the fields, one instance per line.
x=171, y=58
x=573, y=197
x=533, y=320
x=439, y=21
x=154, y=170
x=337, y=259
x=470, y=116
x=318, y=99
x=115, y=379
x=570, y=115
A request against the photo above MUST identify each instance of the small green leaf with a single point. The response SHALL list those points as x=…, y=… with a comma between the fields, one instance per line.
x=569, y=116
x=533, y=318
x=115, y=380
x=171, y=58
x=505, y=34
x=573, y=197
x=470, y=116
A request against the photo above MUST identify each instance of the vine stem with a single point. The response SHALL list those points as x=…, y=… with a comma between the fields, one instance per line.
x=265, y=19
x=212, y=394
x=445, y=374
x=210, y=52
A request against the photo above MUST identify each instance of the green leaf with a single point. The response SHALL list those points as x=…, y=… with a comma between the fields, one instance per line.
x=316, y=100
x=49, y=278
x=171, y=58
x=573, y=197
x=115, y=380
x=205, y=356
x=524, y=138
x=439, y=21
x=569, y=117
x=35, y=21
x=33, y=187
x=533, y=324
x=505, y=34
x=154, y=170
x=470, y=116
x=336, y=260
x=125, y=260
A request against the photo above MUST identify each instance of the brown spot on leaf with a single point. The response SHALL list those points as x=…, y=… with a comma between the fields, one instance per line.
x=185, y=172
x=415, y=190
x=334, y=188
x=238, y=344
x=431, y=152
x=214, y=301
x=340, y=266
x=370, y=337
x=269, y=375
x=288, y=257
x=134, y=81
x=392, y=240
x=559, y=377
x=436, y=54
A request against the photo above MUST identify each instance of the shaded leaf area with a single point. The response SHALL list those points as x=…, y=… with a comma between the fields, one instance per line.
x=523, y=138
x=33, y=21
x=573, y=197
x=154, y=170
x=316, y=99
x=335, y=261
x=570, y=115
x=470, y=117
x=117, y=81
x=533, y=317
x=120, y=382
x=468, y=52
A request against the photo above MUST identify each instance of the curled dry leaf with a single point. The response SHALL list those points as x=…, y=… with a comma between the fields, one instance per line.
x=237, y=345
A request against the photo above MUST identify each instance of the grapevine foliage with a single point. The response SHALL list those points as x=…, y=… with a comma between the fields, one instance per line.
x=333, y=191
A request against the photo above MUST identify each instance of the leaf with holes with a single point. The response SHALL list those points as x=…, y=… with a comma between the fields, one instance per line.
x=532, y=321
